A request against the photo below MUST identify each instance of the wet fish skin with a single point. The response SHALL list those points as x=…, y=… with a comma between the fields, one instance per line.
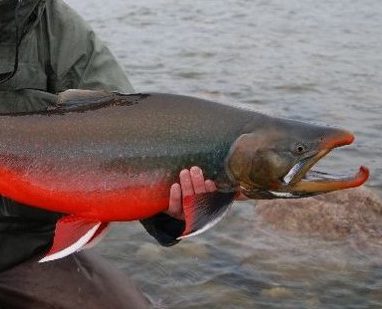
x=100, y=157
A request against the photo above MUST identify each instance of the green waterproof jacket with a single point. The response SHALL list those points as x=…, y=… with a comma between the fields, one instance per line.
x=46, y=48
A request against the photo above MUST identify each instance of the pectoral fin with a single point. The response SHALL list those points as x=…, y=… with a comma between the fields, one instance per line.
x=202, y=211
x=72, y=234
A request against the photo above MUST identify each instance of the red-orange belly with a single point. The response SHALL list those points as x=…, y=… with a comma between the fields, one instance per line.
x=122, y=203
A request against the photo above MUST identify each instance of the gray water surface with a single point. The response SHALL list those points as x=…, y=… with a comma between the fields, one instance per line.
x=311, y=60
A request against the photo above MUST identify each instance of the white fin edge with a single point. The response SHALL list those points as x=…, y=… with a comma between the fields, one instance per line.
x=207, y=226
x=72, y=248
x=92, y=243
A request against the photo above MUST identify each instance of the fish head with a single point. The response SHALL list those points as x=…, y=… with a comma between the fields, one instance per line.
x=275, y=161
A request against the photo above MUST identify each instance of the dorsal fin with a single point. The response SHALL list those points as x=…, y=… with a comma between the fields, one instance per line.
x=79, y=97
x=82, y=100
x=79, y=100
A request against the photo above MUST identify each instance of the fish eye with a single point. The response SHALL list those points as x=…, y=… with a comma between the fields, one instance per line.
x=300, y=148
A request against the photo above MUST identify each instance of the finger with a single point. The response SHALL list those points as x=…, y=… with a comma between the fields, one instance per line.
x=186, y=183
x=197, y=180
x=175, y=208
x=210, y=185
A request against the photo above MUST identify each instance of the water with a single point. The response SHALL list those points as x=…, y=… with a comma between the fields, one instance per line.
x=317, y=61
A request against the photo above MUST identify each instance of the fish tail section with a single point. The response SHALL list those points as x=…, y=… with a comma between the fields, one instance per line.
x=202, y=211
x=72, y=234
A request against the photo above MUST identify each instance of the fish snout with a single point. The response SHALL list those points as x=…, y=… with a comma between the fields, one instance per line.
x=336, y=138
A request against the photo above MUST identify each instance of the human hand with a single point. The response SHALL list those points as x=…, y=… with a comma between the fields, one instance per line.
x=191, y=182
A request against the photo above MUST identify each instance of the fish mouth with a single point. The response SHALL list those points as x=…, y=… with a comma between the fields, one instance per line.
x=302, y=181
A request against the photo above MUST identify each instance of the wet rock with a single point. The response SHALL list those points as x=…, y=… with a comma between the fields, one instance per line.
x=332, y=216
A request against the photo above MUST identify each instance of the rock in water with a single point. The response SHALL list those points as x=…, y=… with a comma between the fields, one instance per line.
x=332, y=216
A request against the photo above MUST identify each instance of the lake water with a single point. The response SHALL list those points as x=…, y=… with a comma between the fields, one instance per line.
x=311, y=60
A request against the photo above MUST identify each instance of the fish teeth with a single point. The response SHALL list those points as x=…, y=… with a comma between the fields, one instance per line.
x=293, y=171
x=282, y=194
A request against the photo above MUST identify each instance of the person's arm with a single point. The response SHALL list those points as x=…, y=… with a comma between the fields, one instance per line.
x=25, y=100
x=78, y=58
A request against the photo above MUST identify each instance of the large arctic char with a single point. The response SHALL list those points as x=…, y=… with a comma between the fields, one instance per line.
x=99, y=157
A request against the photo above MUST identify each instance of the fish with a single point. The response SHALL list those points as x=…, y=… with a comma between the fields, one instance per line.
x=99, y=157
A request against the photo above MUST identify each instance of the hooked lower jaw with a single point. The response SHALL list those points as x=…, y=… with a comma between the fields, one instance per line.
x=324, y=184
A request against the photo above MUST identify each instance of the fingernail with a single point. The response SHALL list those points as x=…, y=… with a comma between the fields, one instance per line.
x=183, y=172
x=195, y=170
x=175, y=186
